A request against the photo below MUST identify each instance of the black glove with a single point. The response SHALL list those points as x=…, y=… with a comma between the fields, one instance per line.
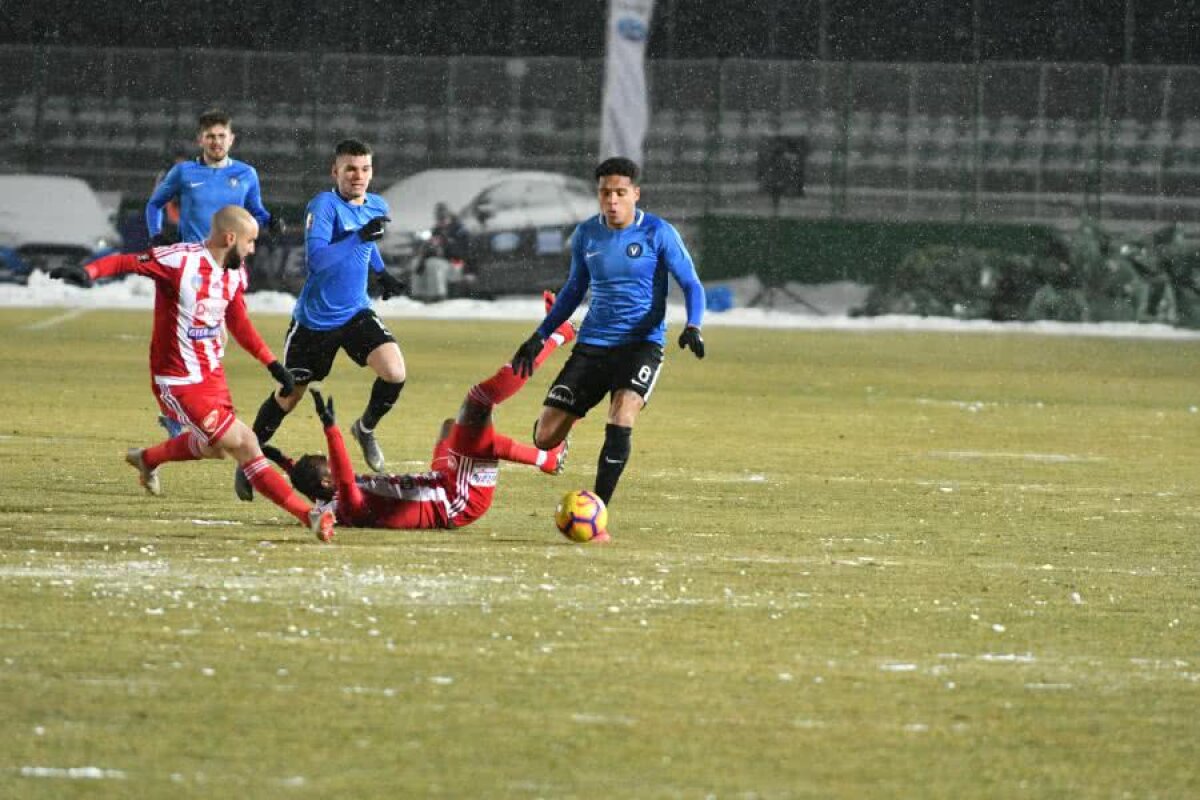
x=389, y=285
x=160, y=240
x=280, y=373
x=76, y=276
x=324, y=409
x=522, y=360
x=373, y=230
x=690, y=338
x=276, y=227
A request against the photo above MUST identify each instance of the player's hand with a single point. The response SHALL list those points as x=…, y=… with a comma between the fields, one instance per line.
x=160, y=240
x=76, y=276
x=690, y=338
x=276, y=227
x=389, y=285
x=373, y=231
x=324, y=409
x=522, y=360
x=281, y=373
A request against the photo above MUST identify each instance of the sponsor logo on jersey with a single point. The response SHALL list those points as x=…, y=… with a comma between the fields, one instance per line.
x=633, y=249
x=484, y=474
x=194, y=184
x=197, y=332
x=210, y=422
x=209, y=312
x=562, y=394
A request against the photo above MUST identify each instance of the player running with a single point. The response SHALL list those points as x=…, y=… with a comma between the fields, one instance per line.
x=623, y=255
x=461, y=482
x=334, y=311
x=199, y=293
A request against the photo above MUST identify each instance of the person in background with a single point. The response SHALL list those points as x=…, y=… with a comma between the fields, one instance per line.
x=443, y=254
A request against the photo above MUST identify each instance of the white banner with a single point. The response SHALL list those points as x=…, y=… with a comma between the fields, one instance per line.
x=625, y=113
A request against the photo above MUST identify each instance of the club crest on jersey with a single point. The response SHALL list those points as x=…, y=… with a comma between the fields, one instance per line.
x=197, y=282
x=633, y=249
x=233, y=182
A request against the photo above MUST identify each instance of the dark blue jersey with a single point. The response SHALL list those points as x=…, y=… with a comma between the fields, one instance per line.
x=626, y=270
x=336, y=287
x=203, y=190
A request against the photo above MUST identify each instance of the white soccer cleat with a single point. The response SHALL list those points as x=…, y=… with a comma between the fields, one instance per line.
x=321, y=522
x=147, y=477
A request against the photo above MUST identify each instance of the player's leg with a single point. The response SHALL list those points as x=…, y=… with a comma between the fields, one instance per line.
x=240, y=442
x=188, y=408
x=308, y=355
x=369, y=343
x=505, y=383
x=635, y=370
x=552, y=461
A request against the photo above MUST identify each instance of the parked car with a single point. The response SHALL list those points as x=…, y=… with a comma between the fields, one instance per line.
x=519, y=224
x=48, y=221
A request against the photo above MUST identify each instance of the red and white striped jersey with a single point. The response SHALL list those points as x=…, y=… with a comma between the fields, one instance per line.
x=196, y=299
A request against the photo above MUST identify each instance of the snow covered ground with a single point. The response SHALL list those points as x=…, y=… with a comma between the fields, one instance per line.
x=823, y=307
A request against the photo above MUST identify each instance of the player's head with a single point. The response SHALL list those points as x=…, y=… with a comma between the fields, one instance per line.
x=312, y=477
x=618, y=190
x=352, y=168
x=214, y=134
x=233, y=231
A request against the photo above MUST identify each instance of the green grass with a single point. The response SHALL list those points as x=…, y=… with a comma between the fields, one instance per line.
x=844, y=566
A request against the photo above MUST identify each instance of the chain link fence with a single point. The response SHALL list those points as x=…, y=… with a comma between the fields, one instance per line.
x=993, y=141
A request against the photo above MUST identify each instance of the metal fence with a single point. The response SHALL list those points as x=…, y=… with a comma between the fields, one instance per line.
x=1045, y=142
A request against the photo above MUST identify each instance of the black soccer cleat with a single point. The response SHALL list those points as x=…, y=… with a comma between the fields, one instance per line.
x=242, y=486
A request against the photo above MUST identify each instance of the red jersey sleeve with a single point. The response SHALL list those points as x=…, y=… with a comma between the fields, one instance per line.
x=237, y=319
x=125, y=263
x=350, y=497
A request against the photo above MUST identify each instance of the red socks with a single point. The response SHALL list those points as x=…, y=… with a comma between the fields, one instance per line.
x=184, y=447
x=271, y=485
x=510, y=450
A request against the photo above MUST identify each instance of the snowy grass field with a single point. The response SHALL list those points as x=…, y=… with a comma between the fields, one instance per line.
x=846, y=564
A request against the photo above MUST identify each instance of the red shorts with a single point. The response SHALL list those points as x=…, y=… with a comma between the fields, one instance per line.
x=206, y=408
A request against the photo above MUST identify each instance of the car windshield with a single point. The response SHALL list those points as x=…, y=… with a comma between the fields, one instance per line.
x=411, y=200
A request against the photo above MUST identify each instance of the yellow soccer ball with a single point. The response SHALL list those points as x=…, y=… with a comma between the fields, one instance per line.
x=582, y=517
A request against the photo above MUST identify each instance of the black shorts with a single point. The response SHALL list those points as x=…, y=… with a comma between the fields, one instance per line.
x=309, y=354
x=593, y=372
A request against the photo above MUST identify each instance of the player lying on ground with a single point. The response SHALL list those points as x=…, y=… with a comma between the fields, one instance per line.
x=459, y=487
x=199, y=292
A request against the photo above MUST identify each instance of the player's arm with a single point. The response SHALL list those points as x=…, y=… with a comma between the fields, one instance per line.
x=167, y=189
x=350, y=497
x=683, y=269
x=253, y=202
x=323, y=254
x=237, y=320
x=110, y=266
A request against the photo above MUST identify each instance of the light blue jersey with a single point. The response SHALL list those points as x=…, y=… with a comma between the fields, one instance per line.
x=338, y=261
x=203, y=190
x=626, y=270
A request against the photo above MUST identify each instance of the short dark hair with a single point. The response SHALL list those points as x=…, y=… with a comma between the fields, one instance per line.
x=306, y=477
x=214, y=116
x=351, y=147
x=618, y=165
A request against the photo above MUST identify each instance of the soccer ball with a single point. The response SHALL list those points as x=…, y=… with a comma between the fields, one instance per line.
x=582, y=517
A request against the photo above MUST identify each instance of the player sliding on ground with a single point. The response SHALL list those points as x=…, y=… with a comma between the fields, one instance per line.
x=199, y=292
x=459, y=487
